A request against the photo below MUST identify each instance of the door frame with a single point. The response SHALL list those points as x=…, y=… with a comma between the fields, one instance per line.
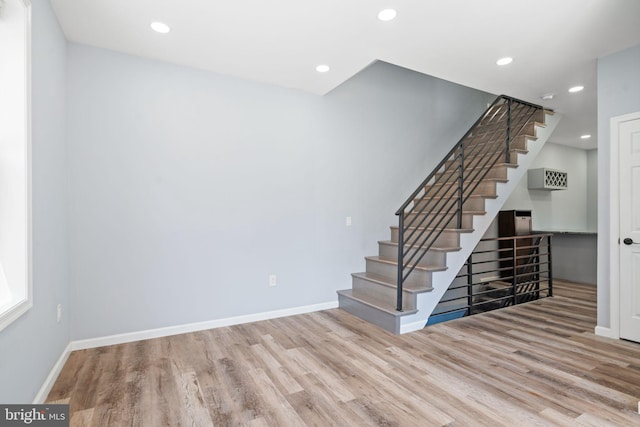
x=614, y=226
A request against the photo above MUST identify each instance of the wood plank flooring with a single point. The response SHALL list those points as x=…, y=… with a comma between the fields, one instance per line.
x=533, y=364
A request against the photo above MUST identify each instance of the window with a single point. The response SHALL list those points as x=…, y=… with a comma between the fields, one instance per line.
x=15, y=159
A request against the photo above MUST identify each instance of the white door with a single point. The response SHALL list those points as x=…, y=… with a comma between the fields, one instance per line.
x=629, y=145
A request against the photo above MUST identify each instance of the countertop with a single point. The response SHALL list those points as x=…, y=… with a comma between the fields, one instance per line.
x=576, y=232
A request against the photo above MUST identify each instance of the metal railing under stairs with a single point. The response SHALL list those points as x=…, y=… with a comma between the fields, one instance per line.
x=438, y=202
x=501, y=272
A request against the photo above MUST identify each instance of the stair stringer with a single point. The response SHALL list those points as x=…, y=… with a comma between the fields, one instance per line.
x=441, y=280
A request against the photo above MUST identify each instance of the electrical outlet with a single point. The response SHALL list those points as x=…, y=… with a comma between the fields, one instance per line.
x=348, y=222
x=272, y=280
x=59, y=313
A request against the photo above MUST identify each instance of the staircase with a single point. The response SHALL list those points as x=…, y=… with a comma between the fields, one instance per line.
x=442, y=221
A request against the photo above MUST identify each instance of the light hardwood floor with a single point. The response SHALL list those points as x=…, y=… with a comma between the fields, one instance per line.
x=533, y=364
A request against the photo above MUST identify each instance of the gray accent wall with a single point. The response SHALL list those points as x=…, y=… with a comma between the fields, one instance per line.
x=618, y=94
x=30, y=347
x=188, y=189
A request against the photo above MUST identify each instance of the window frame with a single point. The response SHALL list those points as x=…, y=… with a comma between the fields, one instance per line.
x=11, y=311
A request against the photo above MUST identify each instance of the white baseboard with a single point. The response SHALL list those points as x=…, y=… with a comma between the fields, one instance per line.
x=53, y=375
x=605, y=332
x=199, y=326
x=165, y=332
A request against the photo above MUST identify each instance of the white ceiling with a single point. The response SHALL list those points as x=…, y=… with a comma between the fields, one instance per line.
x=554, y=43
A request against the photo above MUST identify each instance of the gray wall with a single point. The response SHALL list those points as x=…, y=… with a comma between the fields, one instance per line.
x=575, y=257
x=30, y=346
x=618, y=94
x=560, y=209
x=573, y=209
x=592, y=190
x=189, y=188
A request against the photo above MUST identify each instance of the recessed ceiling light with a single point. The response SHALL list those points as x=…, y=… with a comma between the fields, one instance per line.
x=585, y=136
x=576, y=89
x=387, y=14
x=548, y=96
x=504, y=61
x=160, y=27
x=322, y=68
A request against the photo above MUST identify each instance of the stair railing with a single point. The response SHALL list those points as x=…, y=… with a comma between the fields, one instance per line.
x=424, y=216
x=500, y=272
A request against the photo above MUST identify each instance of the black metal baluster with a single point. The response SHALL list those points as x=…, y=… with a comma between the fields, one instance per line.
x=525, y=288
x=550, y=267
x=460, y=186
x=508, y=149
x=514, y=270
x=470, y=283
x=400, y=260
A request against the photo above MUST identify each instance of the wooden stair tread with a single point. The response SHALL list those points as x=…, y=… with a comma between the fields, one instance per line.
x=445, y=213
x=475, y=156
x=388, y=307
x=432, y=248
x=498, y=142
x=501, y=164
x=384, y=281
x=476, y=167
x=467, y=193
x=468, y=181
x=467, y=196
x=486, y=196
x=426, y=268
x=459, y=230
